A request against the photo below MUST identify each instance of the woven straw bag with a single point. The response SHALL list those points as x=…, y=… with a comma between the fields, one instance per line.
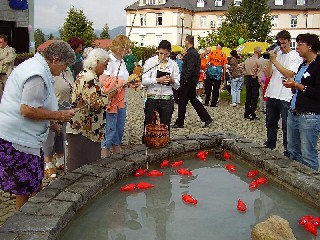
x=156, y=134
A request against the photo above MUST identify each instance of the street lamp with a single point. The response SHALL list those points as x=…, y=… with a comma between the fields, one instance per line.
x=182, y=19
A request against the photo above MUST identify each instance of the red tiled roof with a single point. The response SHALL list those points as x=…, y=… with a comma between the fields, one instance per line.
x=102, y=43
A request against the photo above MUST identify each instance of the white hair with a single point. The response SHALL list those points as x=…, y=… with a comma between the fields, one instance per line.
x=95, y=56
x=86, y=52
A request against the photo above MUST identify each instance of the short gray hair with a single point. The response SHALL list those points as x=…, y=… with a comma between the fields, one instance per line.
x=60, y=50
x=95, y=56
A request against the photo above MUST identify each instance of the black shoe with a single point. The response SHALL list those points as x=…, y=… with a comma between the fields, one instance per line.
x=207, y=123
x=206, y=104
x=253, y=118
x=176, y=126
x=246, y=116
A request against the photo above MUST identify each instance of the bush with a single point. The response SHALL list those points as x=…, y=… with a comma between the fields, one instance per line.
x=22, y=57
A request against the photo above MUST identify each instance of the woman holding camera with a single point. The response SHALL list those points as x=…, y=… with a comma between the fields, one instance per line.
x=159, y=81
x=303, y=121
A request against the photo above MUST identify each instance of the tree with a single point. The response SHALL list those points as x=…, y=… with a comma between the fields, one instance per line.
x=77, y=25
x=38, y=37
x=50, y=37
x=105, y=32
x=250, y=21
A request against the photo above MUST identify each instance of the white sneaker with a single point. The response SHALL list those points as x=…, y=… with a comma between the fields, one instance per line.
x=233, y=104
x=199, y=98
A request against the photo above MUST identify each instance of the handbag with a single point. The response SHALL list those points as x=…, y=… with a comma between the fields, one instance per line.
x=214, y=72
x=156, y=134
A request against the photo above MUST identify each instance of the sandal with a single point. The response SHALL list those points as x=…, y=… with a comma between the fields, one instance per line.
x=50, y=173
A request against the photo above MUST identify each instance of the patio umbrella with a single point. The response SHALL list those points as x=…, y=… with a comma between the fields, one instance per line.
x=224, y=49
x=44, y=45
x=248, y=47
x=176, y=49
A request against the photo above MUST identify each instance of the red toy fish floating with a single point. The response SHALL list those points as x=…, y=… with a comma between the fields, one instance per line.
x=202, y=155
x=140, y=172
x=253, y=185
x=316, y=221
x=261, y=180
x=230, y=168
x=155, y=173
x=183, y=171
x=303, y=220
x=252, y=173
x=144, y=185
x=165, y=163
x=310, y=227
x=226, y=155
x=241, y=206
x=189, y=199
x=176, y=164
x=128, y=187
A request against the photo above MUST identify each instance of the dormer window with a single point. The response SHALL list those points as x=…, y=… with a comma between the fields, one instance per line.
x=200, y=3
x=152, y=2
x=301, y=2
x=143, y=2
x=218, y=3
x=162, y=1
x=237, y=2
x=278, y=2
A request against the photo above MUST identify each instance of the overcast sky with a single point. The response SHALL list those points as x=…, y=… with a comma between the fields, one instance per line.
x=52, y=13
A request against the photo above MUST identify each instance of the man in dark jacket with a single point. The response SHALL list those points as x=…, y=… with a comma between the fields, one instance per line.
x=188, y=82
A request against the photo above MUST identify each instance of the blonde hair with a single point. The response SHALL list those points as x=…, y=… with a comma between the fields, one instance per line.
x=119, y=43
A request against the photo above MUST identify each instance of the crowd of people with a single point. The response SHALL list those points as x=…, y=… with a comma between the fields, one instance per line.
x=61, y=94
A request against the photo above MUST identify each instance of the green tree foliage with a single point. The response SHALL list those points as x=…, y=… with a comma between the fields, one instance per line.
x=77, y=25
x=39, y=37
x=50, y=37
x=105, y=32
x=250, y=21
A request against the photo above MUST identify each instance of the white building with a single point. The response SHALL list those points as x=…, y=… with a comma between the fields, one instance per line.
x=172, y=20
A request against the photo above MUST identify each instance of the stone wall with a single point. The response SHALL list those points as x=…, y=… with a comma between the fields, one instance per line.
x=7, y=14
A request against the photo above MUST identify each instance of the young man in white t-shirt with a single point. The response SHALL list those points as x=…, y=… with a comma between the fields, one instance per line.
x=281, y=66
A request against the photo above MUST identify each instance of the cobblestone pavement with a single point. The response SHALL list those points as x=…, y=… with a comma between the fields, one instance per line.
x=226, y=119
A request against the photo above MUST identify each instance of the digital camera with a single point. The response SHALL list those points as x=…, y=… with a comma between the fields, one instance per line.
x=275, y=47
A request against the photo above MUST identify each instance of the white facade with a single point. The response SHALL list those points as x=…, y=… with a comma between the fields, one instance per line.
x=151, y=25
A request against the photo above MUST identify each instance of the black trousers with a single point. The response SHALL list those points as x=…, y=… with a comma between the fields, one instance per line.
x=252, y=96
x=212, y=87
x=163, y=107
x=188, y=93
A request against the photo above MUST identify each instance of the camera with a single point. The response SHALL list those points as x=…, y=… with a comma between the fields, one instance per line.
x=275, y=47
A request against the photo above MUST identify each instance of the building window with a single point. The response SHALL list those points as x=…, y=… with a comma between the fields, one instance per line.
x=143, y=21
x=212, y=24
x=218, y=3
x=293, y=44
x=274, y=21
x=219, y=21
x=142, y=41
x=301, y=2
x=159, y=19
x=294, y=21
x=278, y=2
x=200, y=3
x=152, y=2
x=202, y=21
x=237, y=2
x=143, y=2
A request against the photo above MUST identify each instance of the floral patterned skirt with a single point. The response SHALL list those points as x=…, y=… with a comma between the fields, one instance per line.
x=20, y=173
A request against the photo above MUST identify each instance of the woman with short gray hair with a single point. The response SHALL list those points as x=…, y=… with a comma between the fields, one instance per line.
x=86, y=130
x=27, y=108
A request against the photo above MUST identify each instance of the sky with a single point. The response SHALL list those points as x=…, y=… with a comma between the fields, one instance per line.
x=52, y=13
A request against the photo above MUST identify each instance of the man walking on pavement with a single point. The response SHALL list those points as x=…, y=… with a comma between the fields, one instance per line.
x=188, y=83
x=7, y=56
x=253, y=69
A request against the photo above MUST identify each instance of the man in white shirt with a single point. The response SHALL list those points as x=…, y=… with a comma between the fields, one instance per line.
x=281, y=66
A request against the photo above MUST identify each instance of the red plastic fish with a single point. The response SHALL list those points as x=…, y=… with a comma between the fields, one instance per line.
x=241, y=206
x=303, y=220
x=128, y=187
x=253, y=185
x=226, y=155
x=310, y=227
x=252, y=173
x=316, y=221
x=165, y=163
x=230, y=168
x=261, y=180
x=176, y=164
x=144, y=185
x=189, y=199
x=202, y=155
x=155, y=173
x=140, y=172
x=183, y=171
